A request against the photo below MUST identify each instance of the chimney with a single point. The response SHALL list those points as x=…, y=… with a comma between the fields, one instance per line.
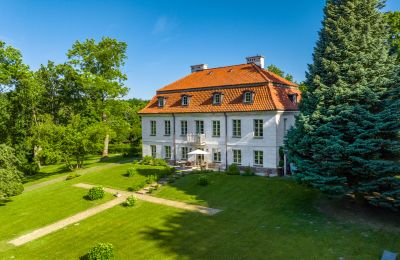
x=199, y=67
x=258, y=60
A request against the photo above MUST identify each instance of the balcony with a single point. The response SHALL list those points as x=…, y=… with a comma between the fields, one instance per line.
x=196, y=139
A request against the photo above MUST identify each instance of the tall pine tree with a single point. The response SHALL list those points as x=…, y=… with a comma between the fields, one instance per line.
x=341, y=143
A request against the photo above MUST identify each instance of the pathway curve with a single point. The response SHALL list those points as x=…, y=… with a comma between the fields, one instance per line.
x=38, y=233
x=81, y=172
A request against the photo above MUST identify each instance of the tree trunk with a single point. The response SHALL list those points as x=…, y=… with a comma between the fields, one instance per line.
x=105, y=149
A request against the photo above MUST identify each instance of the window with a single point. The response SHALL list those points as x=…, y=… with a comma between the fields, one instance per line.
x=216, y=156
x=185, y=100
x=248, y=97
x=184, y=153
x=284, y=126
x=199, y=127
x=237, y=128
x=167, y=152
x=258, y=128
x=153, y=128
x=216, y=131
x=258, y=158
x=184, y=127
x=161, y=101
x=293, y=98
x=217, y=98
x=237, y=157
x=153, y=149
x=167, y=124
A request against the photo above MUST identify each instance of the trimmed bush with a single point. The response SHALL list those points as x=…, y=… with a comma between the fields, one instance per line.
x=131, y=172
x=203, y=180
x=148, y=160
x=101, y=251
x=95, y=193
x=130, y=201
x=233, y=169
x=72, y=176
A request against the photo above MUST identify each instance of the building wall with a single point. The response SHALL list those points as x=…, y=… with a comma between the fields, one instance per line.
x=247, y=143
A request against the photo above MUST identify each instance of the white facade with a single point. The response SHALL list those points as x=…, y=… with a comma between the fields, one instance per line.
x=273, y=131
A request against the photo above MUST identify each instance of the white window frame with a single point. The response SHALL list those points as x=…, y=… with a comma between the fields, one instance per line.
x=248, y=97
x=216, y=155
x=199, y=127
x=217, y=99
x=167, y=150
x=161, y=102
x=184, y=127
x=236, y=128
x=185, y=100
x=258, y=125
x=237, y=156
x=258, y=157
x=153, y=150
x=184, y=153
x=216, y=128
x=167, y=127
x=153, y=128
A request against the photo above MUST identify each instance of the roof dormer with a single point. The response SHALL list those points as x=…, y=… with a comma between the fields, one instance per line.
x=161, y=101
x=185, y=100
x=217, y=98
x=293, y=98
x=248, y=97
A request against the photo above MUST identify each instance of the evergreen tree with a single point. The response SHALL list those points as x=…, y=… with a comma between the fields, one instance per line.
x=341, y=143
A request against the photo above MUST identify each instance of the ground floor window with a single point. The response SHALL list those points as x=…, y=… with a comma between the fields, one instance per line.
x=167, y=152
x=153, y=149
x=237, y=157
x=184, y=154
x=258, y=158
x=216, y=156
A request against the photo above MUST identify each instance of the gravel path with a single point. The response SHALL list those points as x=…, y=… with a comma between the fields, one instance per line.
x=81, y=172
x=92, y=211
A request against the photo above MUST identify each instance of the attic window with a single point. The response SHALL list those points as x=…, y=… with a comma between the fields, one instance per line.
x=248, y=97
x=161, y=101
x=185, y=100
x=293, y=98
x=217, y=98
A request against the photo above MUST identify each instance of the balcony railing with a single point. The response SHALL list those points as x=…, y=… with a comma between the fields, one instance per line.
x=196, y=139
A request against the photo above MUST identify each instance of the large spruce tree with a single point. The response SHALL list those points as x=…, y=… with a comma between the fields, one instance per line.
x=344, y=141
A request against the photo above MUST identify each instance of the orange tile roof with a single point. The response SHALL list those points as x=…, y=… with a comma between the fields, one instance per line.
x=266, y=97
x=270, y=91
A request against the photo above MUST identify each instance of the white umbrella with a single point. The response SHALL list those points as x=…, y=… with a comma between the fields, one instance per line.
x=198, y=152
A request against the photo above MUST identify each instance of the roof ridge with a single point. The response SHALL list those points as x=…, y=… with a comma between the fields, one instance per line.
x=261, y=72
x=221, y=67
x=280, y=77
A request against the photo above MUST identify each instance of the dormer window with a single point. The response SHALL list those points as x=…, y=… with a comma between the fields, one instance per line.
x=248, y=97
x=185, y=100
x=161, y=101
x=217, y=98
x=293, y=98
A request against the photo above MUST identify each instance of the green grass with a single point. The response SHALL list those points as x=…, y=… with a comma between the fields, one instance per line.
x=261, y=219
x=49, y=172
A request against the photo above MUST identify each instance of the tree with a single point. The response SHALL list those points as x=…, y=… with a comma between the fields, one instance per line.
x=273, y=68
x=10, y=175
x=100, y=65
x=341, y=143
x=393, y=19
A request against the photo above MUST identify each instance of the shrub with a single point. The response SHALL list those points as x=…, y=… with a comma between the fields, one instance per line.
x=150, y=191
x=147, y=160
x=130, y=201
x=233, y=169
x=203, y=180
x=137, y=186
x=248, y=171
x=72, y=176
x=101, y=251
x=95, y=193
x=131, y=172
x=151, y=179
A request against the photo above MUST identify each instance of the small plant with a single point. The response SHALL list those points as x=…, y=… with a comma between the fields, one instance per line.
x=101, y=251
x=130, y=201
x=95, y=193
x=233, y=169
x=137, y=187
x=150, y=191
x=131, y=172
x=147, y=160
x=203, y=180
x=72, y=176
x=248, y=171
x=151, y=179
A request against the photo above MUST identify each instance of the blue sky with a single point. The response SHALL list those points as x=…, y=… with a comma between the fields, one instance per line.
x=166, y=37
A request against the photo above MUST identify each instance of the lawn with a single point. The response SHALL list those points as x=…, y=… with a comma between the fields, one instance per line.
x=262, y=218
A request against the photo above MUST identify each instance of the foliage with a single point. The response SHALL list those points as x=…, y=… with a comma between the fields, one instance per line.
x=393, y=19
x=203, y=180
x=137, y=186
x=151, y=179
x=101, y=251
x=130, y=201
x=233, y=169
x=346, y=136
x=248, y=171
x=72, y=176
x=10, y=175
x=148, y=160
x=274, y=69
x=131, y=172
x=95, y=193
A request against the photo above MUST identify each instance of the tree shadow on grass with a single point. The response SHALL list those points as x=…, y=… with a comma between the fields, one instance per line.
x=3, y=202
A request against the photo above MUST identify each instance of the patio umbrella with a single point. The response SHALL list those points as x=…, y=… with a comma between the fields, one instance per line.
x=198, y=152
